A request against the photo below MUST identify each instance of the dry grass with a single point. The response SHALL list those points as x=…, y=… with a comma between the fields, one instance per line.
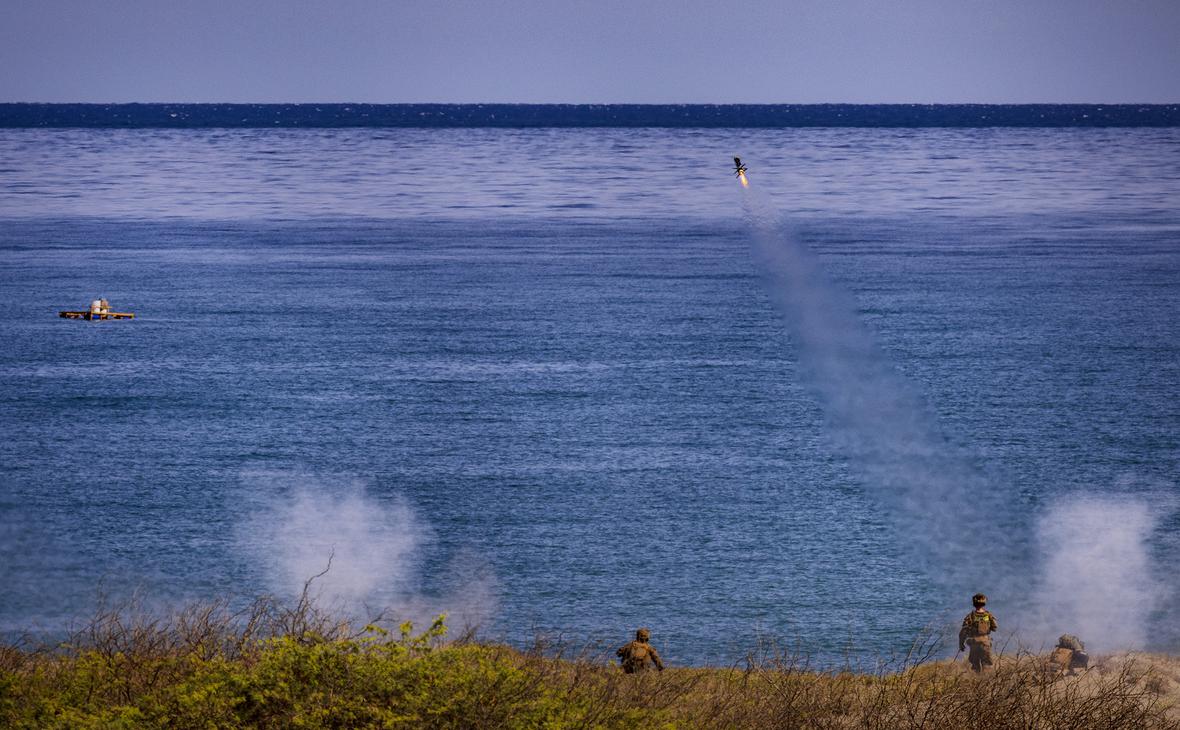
x=275, y=666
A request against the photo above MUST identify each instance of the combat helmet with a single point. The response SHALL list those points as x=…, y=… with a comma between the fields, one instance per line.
x=1071, y=642
x=979, y=600
x=643, y=634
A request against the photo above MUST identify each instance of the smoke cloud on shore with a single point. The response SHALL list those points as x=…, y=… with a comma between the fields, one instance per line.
x=362, y=555
x=1097, y=578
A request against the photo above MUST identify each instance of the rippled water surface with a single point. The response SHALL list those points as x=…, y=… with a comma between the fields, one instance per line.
x=545, y=369
x=662, y=173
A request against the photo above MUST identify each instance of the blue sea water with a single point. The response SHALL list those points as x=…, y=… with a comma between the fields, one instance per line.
x=777, y=116
x=548, y=360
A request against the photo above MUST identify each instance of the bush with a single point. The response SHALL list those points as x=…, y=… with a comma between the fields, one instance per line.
x=275, y=667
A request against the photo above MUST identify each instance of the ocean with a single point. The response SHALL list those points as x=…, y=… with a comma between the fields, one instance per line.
x=549, y=380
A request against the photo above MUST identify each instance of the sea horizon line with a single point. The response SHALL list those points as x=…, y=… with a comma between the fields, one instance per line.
x=195, y=115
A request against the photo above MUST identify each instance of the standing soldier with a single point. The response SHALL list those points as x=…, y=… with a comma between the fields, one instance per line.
x=637, y=655
x=976, y=632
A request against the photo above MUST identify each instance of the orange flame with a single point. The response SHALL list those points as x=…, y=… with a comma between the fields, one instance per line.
x=742, y=177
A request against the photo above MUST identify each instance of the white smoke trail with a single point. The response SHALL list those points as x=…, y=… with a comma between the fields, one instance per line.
x=877, y=419
x=1097, y=578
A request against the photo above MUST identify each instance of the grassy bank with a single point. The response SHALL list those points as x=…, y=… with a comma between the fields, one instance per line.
x=275, y=667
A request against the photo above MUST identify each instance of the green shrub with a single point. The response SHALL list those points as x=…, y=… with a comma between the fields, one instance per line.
x=272, y=667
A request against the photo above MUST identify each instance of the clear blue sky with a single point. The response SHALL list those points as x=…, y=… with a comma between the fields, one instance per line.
x=657, y=51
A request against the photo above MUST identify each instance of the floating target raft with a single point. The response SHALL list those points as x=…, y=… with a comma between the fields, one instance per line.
x=96, y=315
x=99, y=309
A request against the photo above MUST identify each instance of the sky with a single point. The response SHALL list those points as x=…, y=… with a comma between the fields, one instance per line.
x=591, y=51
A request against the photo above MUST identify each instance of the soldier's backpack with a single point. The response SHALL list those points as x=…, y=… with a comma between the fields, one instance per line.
x=636, y=656
x=981, y=623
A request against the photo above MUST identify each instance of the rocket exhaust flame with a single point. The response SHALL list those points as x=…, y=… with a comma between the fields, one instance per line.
x=742, y=177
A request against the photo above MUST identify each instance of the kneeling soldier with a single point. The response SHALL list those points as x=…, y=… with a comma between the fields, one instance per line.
x=1069, y=657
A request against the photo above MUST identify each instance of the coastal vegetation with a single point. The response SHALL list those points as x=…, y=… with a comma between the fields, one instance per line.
x=275, y=666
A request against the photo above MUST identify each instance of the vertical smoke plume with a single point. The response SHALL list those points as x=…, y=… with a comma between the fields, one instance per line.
x=366, y=555
x=877, y=419
x=1098, y=580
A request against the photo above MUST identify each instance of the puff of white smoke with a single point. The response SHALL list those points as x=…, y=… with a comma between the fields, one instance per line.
x=1097, y=579
x=373, y=548
x=365, y=555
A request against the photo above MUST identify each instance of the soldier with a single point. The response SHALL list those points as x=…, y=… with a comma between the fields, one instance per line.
x=637, y=655
x=1068, y=658
x=976, y=632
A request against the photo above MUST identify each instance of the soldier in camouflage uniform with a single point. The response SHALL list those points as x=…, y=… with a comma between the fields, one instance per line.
x=976, y=633
x=1068, y=658
x=637, y=655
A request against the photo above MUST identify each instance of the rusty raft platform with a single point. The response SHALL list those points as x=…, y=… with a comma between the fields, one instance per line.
x=95, y=315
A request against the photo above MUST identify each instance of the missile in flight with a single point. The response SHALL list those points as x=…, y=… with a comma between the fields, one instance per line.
x=740, y=171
